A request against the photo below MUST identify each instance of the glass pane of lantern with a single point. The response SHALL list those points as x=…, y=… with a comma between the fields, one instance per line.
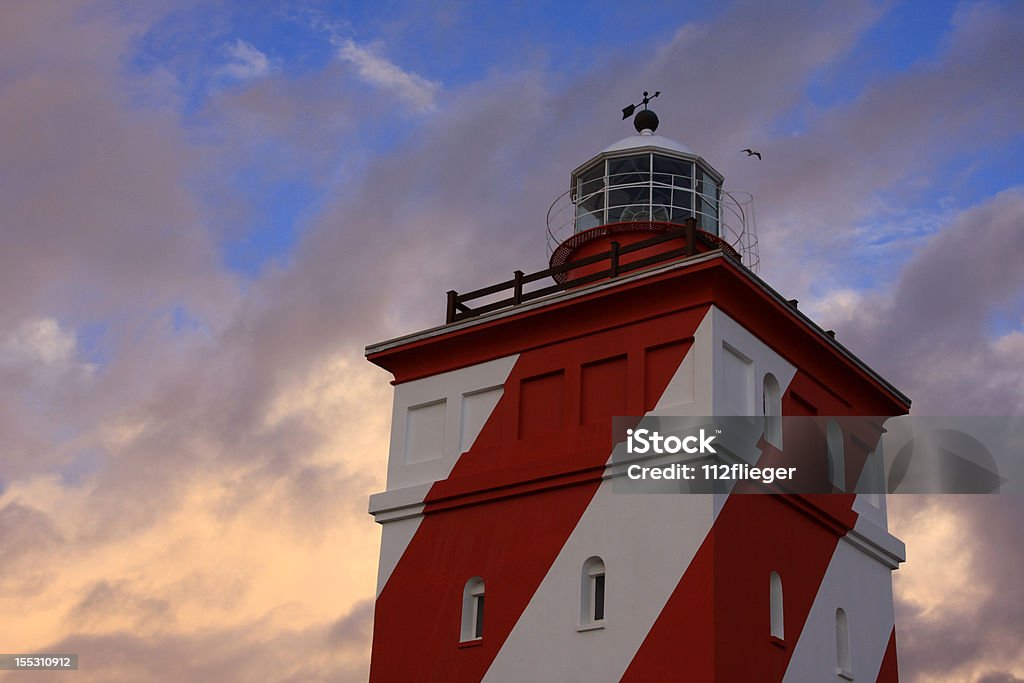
x=621, y=196
x=711, y=193
x=680, y=215
x=661, y=195
x=592, y=203
x=709, y=222
x=661, y=213
x=591, y=180
x=627, y=214
x=625, y=170
x=637, y=212
x=683, y=199
x=708, y=203
x=586, y=220
x=672, y=171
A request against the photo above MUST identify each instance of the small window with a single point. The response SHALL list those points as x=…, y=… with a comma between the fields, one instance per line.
x=844, y=666
x=478, y=616
x=592, y=592
x=473, y=610
x=778, y=629
x=836, y=461
x=771, y=404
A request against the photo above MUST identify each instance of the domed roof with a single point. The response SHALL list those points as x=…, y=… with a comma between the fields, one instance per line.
x=650, y=140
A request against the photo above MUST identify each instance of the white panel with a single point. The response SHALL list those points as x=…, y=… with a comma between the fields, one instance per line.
x=476, y=408
x=689, y=390
x=750, y=359
x=737, y=381
x=449, y=387
x=424, y=432
x=762, y=360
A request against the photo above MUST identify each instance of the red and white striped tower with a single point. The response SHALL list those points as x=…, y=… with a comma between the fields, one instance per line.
x=505, y=556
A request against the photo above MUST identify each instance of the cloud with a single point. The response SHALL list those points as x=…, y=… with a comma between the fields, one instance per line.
x=40, y=341
x=996, y=677
x=246, y=61
x=959, y=607
x=28, y=536
x=229, y=473
x=379, y=71
x=99, y=221
x=117, y=601
x=224, y=513
x=257, y=649
x=844, y=198
x=354, y=626
x=929, y=331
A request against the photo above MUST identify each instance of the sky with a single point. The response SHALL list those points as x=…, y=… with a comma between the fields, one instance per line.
x=209, y=209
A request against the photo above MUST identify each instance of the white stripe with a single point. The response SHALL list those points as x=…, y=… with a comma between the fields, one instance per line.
x=646, y=542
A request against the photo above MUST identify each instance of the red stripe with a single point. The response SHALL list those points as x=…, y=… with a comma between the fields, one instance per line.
x=716, y=624
x=889, y=673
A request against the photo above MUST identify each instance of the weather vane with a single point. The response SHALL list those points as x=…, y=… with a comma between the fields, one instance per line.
x=645, y=118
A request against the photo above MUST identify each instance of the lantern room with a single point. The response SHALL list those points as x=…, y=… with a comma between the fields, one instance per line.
x=646, y=177
x=643, y=186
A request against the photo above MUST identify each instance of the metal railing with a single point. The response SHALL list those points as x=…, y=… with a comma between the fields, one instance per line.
x=458, y=308
x=732, y=217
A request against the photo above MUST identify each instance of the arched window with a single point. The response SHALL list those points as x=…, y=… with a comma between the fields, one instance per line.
x=836, y=462
x=844, y=667
x=473, y=609
x=775, y=597
x=771, y=403
x=592, y=587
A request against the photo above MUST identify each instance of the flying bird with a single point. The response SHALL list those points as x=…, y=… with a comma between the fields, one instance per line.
x=752, y=153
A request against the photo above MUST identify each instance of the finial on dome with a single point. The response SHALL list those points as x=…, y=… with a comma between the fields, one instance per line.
x=645, y=121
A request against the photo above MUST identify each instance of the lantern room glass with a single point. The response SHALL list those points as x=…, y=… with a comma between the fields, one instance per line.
x=646, y=187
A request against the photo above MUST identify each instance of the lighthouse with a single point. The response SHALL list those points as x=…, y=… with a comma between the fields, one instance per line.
x=507, y=551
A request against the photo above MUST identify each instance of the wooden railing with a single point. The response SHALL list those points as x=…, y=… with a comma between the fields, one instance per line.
x=459, y=310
